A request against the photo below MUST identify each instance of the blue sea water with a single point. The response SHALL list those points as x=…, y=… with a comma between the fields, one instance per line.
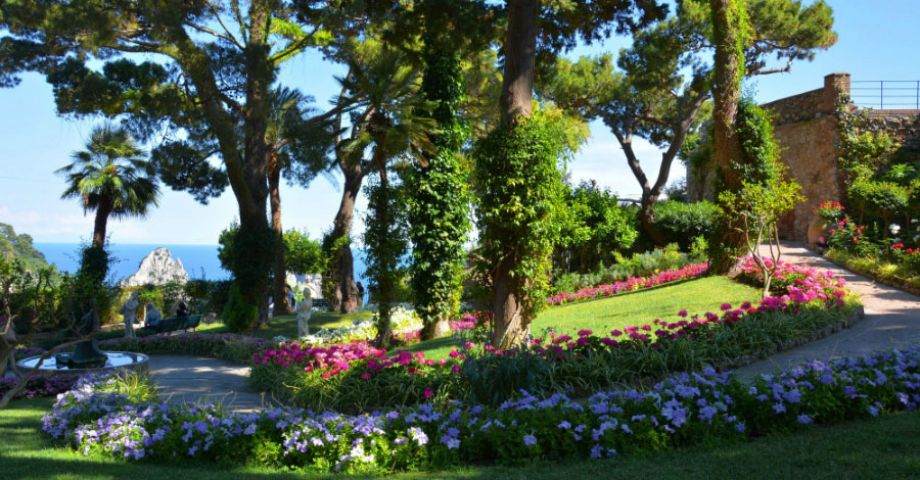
x=200, y=261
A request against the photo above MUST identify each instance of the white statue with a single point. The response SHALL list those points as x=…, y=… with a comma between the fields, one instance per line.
x=154, y=317
x=304, y=309
x=129, y=311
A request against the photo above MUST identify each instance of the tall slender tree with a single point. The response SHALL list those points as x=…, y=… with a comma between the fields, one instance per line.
x=516, y=209
x=111, y=178
x=437, y=192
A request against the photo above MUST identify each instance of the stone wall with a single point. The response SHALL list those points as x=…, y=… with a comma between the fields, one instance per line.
x=806, y=128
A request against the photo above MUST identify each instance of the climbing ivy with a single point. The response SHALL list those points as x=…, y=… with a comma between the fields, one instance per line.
x=438, y=205
x=520, y=192
x=385, y=245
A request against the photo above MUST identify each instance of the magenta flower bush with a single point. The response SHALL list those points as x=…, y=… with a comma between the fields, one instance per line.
x=631, y=284
x=97, y=417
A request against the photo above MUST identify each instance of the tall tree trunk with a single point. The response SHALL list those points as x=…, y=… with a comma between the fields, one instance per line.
x=511, y=326
x=729, y=71
x=254, y=223
x=728, y=20
x=101, y=222
x=279, y=290
x=345, y=296
x=647, y=219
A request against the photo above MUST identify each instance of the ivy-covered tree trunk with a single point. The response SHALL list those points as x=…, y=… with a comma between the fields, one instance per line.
x=512, y=318
x=279, y=287
x=439, y=198
x=342, y=292
x=385, y=241
x=729, y=26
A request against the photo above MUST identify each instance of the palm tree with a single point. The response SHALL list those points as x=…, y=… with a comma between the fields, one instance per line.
x=112, y=178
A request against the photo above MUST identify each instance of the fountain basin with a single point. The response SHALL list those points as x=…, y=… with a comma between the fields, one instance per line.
x=115, y=361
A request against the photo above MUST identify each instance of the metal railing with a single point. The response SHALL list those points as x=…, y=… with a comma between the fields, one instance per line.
x=886, y=94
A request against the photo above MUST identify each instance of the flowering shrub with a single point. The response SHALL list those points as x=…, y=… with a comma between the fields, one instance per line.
x=830, y=211
x=685, y=409
x=630, y=284
x=352, y=376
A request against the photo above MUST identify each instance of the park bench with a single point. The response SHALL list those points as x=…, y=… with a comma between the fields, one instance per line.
x=173, y=324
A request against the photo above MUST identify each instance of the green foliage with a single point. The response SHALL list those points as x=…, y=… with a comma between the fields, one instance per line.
x=332, y=254
x=239, y=314
x=438, y=198
x=683, y=223
x=302, y=255
x=19, y=247
x=754, y=128
x=111, y=174
x=520, y=193
x=386, y=244
x=882, y=180
x=594, y=228
x=640, y=264
x=29, y=294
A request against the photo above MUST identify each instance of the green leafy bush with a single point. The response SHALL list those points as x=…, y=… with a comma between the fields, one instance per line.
x=238, y=314
x=682, y=223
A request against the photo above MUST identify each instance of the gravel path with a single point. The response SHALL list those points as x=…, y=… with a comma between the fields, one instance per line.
x=190, y=379
x=892, y=320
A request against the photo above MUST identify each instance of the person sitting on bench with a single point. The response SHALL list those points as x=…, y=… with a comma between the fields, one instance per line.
x=181, y=310
x=154, y=317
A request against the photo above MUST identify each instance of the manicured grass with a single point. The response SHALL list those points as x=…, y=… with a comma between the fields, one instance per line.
x=885, y=448
x=286, y=325
x=634, y=308
x=283, y=325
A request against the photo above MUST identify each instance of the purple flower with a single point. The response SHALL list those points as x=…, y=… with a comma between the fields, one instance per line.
x=804, y=419
x=530, y=440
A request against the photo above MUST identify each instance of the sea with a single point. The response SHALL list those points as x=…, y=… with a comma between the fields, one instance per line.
x=200, y=261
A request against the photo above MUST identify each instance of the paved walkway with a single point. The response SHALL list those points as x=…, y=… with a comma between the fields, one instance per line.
x=189, y=379
x=892, y=320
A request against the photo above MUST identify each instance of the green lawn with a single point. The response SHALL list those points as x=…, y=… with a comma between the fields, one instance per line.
x=286, y=325
x=885, y=448
x=634, y=308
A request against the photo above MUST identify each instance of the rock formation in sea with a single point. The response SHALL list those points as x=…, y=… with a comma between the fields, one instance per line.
x=157, y=268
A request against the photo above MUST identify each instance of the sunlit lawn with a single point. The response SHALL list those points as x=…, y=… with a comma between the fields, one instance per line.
x=887, y=447
x=634, y=308
x=286, y=325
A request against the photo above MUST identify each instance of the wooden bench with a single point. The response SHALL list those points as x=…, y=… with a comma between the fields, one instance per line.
x=173, y=324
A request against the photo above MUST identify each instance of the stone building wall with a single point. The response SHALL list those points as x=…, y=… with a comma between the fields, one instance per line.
x=806, y=129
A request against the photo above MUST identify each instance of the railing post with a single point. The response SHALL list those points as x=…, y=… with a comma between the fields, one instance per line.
x=881, y=95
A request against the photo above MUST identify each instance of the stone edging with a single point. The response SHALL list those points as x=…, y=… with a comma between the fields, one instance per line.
x=852, y=318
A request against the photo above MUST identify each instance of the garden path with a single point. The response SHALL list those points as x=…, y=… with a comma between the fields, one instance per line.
x=181, y=378
x=892, y=320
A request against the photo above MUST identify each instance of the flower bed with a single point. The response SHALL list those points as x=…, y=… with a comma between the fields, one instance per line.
x=355, y=377
x=631, y=284
x=98, y=416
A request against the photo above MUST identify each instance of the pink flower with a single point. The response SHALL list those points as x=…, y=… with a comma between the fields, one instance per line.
x=428, y=393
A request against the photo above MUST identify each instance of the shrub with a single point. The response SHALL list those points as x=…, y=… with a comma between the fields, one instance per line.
x=238, y=314
x=681, y=222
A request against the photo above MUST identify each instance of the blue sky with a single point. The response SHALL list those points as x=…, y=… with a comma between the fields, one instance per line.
x=877, y=41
